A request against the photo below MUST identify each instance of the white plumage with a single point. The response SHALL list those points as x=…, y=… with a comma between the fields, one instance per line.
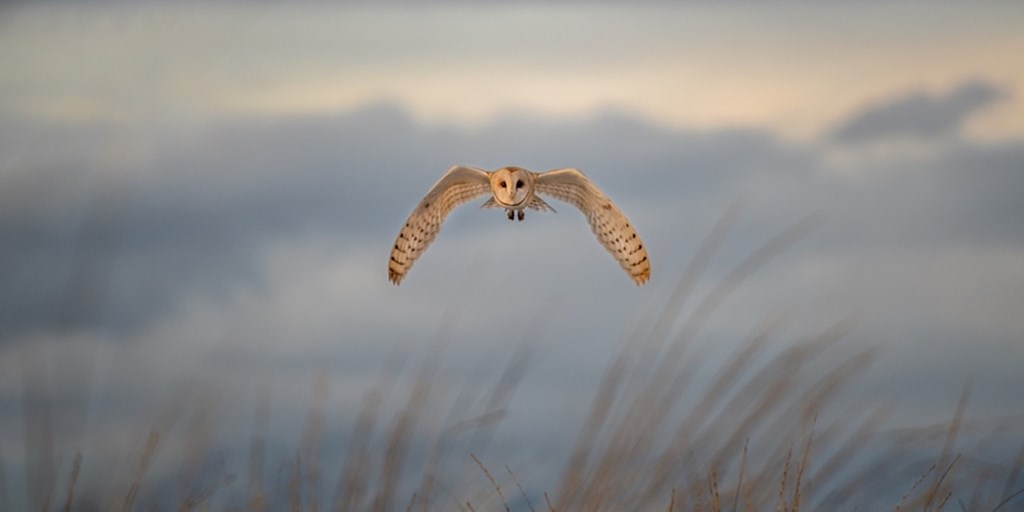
x=516, y=189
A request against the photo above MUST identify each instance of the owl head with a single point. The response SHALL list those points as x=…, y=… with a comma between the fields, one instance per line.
x=511, y=186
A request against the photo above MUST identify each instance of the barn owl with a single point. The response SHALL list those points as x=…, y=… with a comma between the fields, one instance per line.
x=516, y=189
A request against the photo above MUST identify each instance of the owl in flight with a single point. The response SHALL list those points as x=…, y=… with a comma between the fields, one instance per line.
x=515, y=189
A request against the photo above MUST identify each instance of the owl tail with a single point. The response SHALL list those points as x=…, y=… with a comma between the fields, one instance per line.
x=535, y=203
x=538, y=204
x=491, y=203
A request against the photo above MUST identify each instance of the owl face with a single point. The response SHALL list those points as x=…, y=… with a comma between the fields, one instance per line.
x=511, y=186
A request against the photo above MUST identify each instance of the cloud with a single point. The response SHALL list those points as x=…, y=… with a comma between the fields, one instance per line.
x=256, y=249
x=193, y=211
x=194, y=215
x=919, y=115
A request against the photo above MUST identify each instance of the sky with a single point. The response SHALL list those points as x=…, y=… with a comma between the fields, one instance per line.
x=205, y=195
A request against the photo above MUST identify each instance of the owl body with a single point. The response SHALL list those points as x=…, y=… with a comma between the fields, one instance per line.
x=516, y=189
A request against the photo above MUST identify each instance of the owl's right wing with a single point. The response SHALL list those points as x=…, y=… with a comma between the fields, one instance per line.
x=458, y=185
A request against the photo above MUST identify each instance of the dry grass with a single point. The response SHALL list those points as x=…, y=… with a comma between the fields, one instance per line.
x=759, y=434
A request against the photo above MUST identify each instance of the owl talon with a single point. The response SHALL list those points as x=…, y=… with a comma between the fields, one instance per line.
x=511, y=214
x=521, y=215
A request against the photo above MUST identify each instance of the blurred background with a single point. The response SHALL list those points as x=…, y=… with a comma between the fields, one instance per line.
x=197, y=201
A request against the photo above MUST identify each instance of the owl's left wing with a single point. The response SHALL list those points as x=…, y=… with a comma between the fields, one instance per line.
x=610, y=226
x=458, y=185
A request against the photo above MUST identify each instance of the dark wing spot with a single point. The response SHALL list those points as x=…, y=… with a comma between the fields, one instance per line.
x=607, y=206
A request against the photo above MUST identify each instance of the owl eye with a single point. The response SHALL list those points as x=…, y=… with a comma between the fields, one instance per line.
x=504, y=184
x=519, y=183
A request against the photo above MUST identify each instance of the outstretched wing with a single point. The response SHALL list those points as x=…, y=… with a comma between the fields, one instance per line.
x=608, y=223
x=458, y=185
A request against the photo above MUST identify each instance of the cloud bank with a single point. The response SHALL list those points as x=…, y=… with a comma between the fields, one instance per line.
x=919, y=115
x=255, y=250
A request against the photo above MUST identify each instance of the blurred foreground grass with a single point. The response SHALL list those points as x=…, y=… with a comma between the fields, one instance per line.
x=768, y=430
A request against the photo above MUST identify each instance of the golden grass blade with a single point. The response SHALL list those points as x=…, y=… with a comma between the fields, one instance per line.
x=147, y=456
x=493, y=481
x=353, y=480
x=521, y=491
x=75, y=466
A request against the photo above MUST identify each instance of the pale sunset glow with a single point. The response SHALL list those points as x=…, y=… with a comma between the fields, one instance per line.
x=794, y=70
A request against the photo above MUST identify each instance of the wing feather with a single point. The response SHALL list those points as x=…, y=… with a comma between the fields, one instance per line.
x=607, y=222
x=458, y=185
